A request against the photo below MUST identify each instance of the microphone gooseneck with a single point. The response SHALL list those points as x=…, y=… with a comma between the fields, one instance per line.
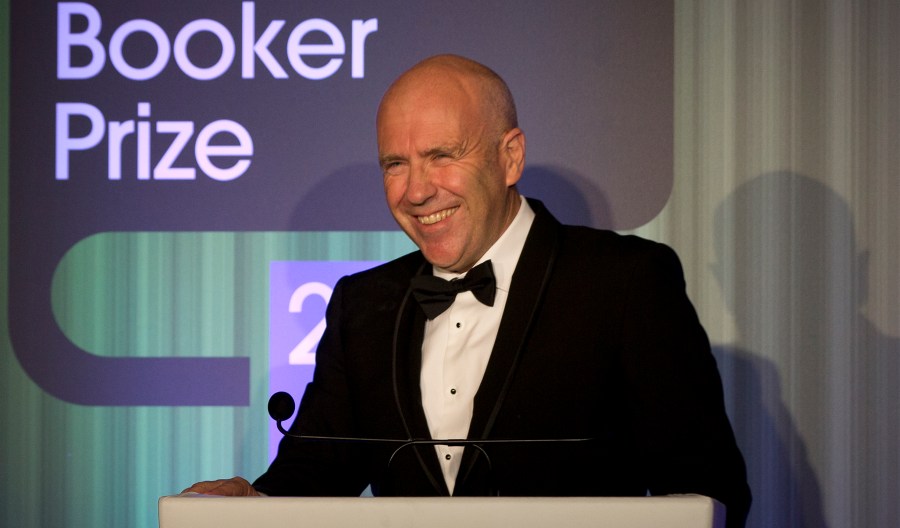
x=281, y=407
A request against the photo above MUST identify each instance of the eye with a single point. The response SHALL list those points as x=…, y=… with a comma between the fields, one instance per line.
x=441, y=156
x=392, y=167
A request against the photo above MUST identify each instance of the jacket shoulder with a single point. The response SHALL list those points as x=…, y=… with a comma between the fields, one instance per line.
x=401, y=268
x=380, y=288
x=629, y=248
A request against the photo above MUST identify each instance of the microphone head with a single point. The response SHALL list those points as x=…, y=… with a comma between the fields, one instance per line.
x=281, y=406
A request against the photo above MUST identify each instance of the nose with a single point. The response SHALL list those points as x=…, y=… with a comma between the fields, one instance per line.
x=420, y=187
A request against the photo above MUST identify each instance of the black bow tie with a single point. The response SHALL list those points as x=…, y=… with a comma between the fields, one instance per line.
x=435, y=294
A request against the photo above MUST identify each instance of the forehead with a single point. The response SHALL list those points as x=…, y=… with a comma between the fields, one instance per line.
x=429, y=109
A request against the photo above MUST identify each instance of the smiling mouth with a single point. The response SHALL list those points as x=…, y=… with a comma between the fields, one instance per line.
x=434, y=218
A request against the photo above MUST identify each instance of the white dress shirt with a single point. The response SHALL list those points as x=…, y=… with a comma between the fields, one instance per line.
x=458, y=344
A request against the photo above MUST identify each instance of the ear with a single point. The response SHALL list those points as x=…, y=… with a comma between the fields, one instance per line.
x=512, y=155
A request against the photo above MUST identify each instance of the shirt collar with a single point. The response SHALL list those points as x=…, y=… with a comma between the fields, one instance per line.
x=505, y=252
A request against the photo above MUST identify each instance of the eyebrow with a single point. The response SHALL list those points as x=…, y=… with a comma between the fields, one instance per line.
x=437, y=150
x=454, y=149
x=389, y=158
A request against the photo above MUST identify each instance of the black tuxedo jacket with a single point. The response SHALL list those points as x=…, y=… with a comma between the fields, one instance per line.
x=598, y=340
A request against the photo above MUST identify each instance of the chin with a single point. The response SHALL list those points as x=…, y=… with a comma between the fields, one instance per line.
x=439, y=259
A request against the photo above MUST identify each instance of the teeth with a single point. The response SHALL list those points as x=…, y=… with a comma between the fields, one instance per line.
x=436, y=217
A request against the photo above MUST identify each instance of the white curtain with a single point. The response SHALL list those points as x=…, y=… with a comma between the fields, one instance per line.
x=785, y=213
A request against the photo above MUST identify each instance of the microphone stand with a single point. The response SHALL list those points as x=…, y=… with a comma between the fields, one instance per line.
x=281, y=407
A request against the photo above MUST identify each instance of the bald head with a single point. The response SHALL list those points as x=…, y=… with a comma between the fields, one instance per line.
x=451, y=154
x=443, y=75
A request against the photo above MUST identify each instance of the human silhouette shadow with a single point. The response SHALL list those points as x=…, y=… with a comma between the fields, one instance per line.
x=812, y=386
x=571, y=198
x=785, y=489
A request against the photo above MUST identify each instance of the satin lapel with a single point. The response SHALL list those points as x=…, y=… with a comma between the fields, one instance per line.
x=525, y=293
x=409, y=335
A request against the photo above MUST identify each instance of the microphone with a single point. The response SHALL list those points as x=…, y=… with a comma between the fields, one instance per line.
x=281, y=407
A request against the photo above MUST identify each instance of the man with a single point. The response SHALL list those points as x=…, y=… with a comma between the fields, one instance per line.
x=585, y=334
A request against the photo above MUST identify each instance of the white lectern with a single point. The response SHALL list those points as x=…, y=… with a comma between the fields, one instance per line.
x=202, y=511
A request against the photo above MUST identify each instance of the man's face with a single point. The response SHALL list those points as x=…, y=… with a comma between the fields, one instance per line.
x=447, y=172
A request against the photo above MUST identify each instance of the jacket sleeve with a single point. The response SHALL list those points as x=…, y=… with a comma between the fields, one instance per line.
x=676, y=399
x=309, y=468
